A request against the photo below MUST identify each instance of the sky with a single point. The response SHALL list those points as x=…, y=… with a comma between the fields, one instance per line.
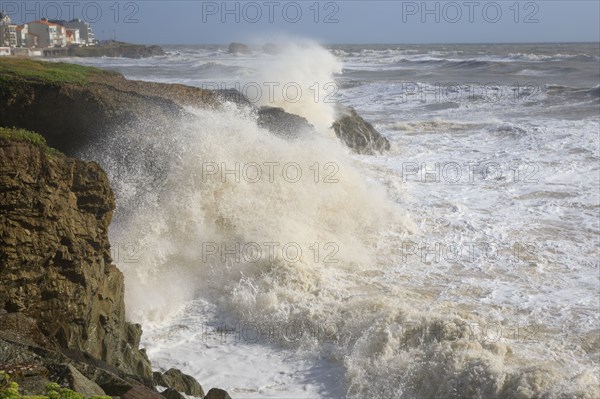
x=329, y=22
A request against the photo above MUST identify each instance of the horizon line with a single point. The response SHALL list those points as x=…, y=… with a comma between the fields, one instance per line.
x=374, y=43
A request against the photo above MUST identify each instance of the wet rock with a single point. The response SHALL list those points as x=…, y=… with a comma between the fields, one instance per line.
x=216, y=393
x=233, y=96
x=239, y=48
x=357, y=133
x=112, y=48
x=55, y=255
x=175, y=379
x=171, y=393
x=75, y=115
x=141, y=392
x=33, y=367
x=72, y=117
x=277, y=121
x=68, y=376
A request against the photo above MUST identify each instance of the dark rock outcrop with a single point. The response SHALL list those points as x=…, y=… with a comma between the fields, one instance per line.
x=239, y=48
x=357, y=133
x=75, y=115
x=277, y=121
x=171, y=393
x=72, y=115
x=113, y=48
x=141, y=392
x=68, y=375
x=216, y=393
x=55, y=262
x=62, y=315
x=33, y=362
x=175, y=379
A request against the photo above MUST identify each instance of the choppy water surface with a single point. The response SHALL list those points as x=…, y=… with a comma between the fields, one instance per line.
x=463, y=263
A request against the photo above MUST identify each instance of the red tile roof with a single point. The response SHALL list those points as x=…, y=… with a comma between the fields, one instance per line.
x=44, y=23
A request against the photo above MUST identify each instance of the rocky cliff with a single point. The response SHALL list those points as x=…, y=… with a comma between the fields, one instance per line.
x=55, y=263
x=113, y=48
x=74, y=106
x=62, y=314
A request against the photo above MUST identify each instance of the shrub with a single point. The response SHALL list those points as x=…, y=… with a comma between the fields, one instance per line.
x=27, y=136
x=10, y=390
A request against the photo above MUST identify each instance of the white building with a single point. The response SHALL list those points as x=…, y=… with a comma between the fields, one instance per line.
x=73, y=38
x=48, y=33
x=26, y=39
x=8, y=32
x=85, y=30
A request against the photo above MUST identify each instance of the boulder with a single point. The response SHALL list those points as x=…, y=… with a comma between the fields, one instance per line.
x=277, y=121
x=171, y=393
x=175, y=379
x=33, y=367
x=216, y=393
x=357, y=133
x=239, y=48
x=234, y=96
x=67, y=375
x=141, y=392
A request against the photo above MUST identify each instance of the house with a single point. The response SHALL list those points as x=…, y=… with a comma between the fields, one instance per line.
x=73, y=38
x=85, y=30
x=48, y=33
x=8, y=32
x=26, y=39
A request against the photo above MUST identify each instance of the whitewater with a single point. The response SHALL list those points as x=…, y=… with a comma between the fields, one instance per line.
x=462, y=263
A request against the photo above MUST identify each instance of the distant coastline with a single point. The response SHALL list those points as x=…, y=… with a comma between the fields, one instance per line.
x=108, y=48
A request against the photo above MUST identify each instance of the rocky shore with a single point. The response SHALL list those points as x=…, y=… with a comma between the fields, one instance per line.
x=113, y=48
x=62, y=313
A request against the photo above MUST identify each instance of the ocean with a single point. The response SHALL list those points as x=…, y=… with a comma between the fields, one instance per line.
x=462, y=263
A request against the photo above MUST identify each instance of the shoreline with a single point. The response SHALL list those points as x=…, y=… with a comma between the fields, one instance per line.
x=60, y=106
x=103, y=49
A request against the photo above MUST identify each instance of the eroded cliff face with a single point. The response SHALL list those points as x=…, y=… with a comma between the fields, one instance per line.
x=55, y=262
x=88, y=106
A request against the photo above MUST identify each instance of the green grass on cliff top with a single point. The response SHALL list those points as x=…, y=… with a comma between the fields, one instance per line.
x=12, y=69
x=15, y=134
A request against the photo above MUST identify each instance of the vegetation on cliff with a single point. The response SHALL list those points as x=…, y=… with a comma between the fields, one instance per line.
x=15, y=134
x=15, y=70
x=73, y=106
x=10, y=390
